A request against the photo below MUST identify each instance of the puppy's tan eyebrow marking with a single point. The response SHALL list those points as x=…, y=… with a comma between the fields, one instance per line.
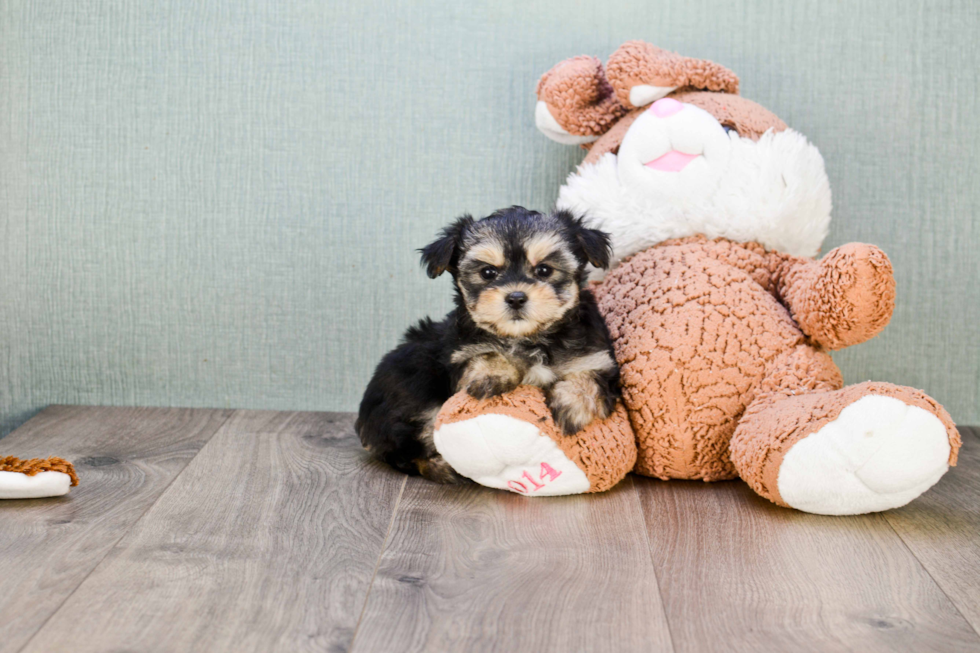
x=491, y=252
x=540, y=246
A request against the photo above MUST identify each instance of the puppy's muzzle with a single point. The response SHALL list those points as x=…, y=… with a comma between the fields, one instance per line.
x=516, y=300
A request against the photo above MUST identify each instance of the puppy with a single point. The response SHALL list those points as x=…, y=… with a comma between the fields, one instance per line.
x=522, y=316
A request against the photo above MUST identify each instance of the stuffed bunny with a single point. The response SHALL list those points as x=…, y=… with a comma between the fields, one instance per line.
x=722, y=318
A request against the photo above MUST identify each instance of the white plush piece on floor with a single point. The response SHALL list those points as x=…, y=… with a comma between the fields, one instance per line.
x=14, y=485
x=497, y=451
x=880, y=453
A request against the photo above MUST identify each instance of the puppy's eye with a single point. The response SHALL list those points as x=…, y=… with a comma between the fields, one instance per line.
x=488, y=273
x=543, y=271
x=728, y=129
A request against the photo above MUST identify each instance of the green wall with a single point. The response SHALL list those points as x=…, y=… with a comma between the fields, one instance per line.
x=217, y=202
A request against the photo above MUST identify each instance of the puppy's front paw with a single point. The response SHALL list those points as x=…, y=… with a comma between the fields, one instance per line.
x=571, y=419
x=576, y=402
x=489, y=376
x=490, y=386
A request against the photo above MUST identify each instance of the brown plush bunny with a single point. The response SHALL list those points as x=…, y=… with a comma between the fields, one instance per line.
x=722, y=317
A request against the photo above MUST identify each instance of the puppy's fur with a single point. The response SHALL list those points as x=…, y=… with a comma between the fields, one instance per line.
x=522, y=316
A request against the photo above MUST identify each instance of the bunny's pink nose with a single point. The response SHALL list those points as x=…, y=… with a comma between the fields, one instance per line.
x=666, y=107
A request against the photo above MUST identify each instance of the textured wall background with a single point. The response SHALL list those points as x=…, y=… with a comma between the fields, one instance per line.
x=216, y=202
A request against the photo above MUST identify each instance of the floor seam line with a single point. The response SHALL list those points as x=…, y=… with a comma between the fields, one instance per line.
x=929, y=574
x=653, y=566
x=124, y=534
x=377, y=564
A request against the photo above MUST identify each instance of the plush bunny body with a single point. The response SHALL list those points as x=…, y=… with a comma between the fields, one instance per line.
x=722, y=318
x=721, y=381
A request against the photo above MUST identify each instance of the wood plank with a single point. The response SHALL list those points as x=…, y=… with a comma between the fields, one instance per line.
x=267, y=541
x=472, y=569
x=125, y=457
x=740, y=572
x=942, y=529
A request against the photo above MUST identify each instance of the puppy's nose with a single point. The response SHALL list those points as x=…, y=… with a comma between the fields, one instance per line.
x=516, y=299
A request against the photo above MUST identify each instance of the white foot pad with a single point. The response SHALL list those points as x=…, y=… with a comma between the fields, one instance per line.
x=509, y=454
x=14, y=485
x=880, y=453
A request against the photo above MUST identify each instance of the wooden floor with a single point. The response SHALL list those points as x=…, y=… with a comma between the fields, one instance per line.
x=260, y=531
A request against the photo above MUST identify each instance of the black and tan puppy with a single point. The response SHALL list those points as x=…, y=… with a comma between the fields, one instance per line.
x=522, y=316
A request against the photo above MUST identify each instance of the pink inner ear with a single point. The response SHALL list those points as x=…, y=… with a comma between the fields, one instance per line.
x=665, y=107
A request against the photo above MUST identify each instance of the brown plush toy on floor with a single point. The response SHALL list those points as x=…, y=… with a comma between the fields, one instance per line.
x=35, y=478
x=722, y=318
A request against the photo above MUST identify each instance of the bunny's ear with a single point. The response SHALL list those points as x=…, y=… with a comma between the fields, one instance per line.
x=641, y=73
x=576, y=103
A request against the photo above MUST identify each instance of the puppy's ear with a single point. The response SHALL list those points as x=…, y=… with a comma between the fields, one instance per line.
x=596, y=247
x=443, y=254
x=592, y=245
